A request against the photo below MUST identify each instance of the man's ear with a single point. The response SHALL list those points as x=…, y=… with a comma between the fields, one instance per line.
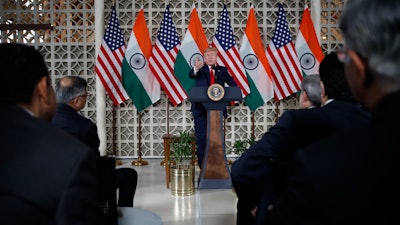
x=323, y=93
x=42, y=89
x=74, y=103
x=360, y=67
x=305, y=96
x=45, y=103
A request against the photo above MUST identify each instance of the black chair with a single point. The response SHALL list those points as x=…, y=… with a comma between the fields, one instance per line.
x=107, y=189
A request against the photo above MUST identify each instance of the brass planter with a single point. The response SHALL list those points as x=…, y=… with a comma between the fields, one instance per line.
x=182, y=180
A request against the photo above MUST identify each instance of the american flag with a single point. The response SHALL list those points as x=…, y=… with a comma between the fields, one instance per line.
x=163, y=58
x=285, y=65
x=109, y=60
x=228, y=53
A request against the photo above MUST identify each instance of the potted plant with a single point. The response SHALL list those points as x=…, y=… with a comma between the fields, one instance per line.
x=181, y=146
x=182, y=171
x=241, y=146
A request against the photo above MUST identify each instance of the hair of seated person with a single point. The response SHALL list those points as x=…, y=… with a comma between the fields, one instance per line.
x=311, y=85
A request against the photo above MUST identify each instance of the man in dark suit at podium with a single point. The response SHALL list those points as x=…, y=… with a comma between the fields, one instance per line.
x=206, y=73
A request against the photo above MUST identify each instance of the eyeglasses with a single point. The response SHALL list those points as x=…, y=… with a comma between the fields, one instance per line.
x=342, y=55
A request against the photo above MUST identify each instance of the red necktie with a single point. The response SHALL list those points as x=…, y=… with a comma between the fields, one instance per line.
x=211, y=76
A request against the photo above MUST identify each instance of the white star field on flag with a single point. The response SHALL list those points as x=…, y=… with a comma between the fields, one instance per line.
x=224, y=32
x=109, y=60
x=167, y=35
x=113, y=35
x=281, y=34
x=228, y=54
x=163, y=58
x=285, y=65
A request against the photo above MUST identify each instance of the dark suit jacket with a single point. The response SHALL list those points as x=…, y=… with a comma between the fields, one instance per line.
x=84, y=129
x=351, y=178
x=295, y=129
x=202, y=78
x=46, y=176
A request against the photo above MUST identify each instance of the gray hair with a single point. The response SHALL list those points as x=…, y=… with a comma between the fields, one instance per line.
x=311, y=84
x=372, y=29
x=70, y=87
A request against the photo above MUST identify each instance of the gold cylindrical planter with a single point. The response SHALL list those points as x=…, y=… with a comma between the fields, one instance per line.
x=182, y=180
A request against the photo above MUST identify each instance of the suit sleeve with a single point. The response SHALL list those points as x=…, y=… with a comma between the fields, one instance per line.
x=253, y=164
x=92, y=138
x=79, y=203
x=297, y=204
x=229, y=79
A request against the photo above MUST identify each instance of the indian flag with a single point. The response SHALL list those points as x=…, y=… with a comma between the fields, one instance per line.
x=256, y=65
x=308, y=48
x=193, y=45
x=137, y=79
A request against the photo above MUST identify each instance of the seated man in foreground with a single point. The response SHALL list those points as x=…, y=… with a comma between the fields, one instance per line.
x=253, y=174
x=71, y=97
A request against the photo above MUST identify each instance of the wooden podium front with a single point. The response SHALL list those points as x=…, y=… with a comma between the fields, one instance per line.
x=215, y=172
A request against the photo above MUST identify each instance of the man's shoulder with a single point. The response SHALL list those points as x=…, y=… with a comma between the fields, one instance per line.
x=59, y=137
x=71, y=117
x=43, y=137
x=300, y=113
x=221, y=68
x=347, y=108
x=342, y=104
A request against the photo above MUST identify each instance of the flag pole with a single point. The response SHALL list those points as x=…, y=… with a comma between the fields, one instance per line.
x=252, y=125
x=277, y=110
x=139, y=161
x=167, y=117
x=114, y=143
x=163, y=162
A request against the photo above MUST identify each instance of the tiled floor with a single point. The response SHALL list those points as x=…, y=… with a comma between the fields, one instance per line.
x=205, y=207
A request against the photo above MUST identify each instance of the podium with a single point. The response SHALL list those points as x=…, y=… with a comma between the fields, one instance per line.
x=215, y=172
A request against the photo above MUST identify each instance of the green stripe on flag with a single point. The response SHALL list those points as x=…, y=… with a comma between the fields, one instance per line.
x=181, y=70
x=134, y=87
x=254, y=99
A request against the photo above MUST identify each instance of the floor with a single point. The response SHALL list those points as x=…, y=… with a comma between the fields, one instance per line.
x=204, y=207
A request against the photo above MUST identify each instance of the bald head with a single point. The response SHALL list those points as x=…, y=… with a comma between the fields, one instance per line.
x=70, y=87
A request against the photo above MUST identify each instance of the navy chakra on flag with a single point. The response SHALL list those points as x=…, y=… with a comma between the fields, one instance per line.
x=307, y=61
x=250, y=62
x=194, y=57
x=137, y=61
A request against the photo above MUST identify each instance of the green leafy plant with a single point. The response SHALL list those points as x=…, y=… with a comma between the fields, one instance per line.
x=241, y=146
x=251, y=141
x=181, y=146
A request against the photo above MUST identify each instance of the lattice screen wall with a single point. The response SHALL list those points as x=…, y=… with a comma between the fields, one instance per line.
x=69, y=49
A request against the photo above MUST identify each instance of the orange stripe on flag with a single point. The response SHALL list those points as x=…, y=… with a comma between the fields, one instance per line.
x=196, y=29
x=142, y=35
x=308, y=32
x=253, y=33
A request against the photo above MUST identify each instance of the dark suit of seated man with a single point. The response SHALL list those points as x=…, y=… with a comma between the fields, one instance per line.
x=253, y=173
x=351, y=178
x=46, y=176
x=71, y=96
